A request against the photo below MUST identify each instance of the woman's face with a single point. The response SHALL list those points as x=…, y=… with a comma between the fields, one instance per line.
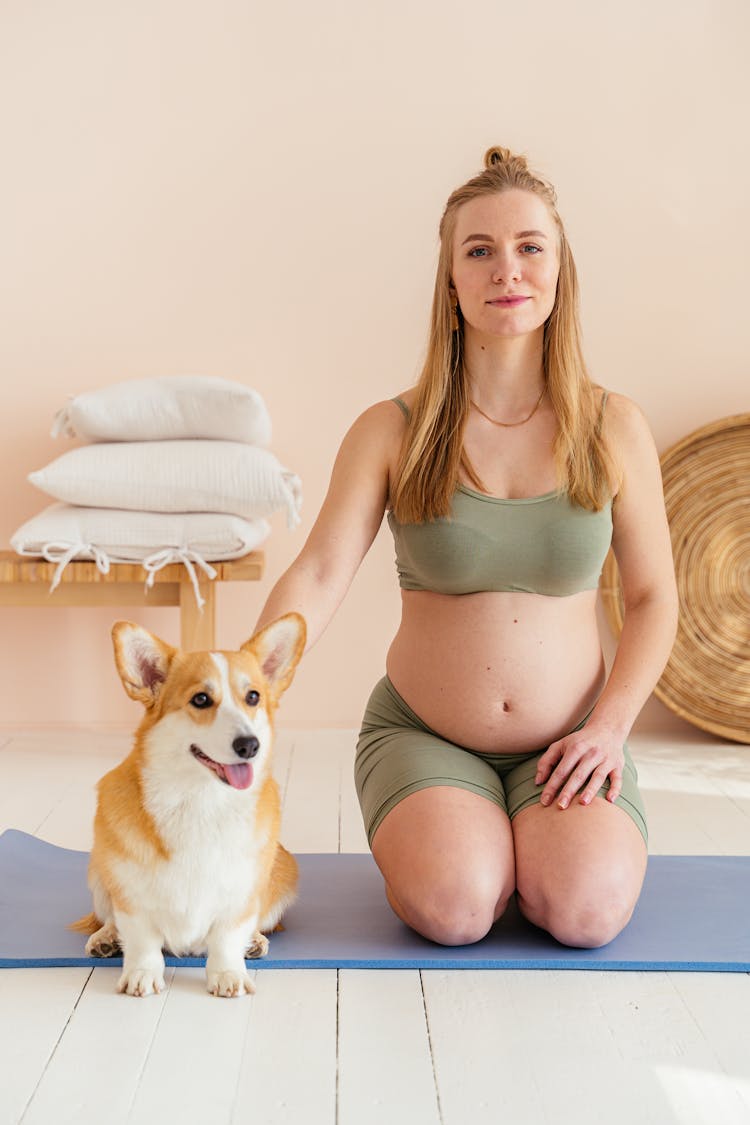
x=505, y=263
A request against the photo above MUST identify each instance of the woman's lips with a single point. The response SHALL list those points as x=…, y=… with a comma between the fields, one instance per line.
x=507, y=302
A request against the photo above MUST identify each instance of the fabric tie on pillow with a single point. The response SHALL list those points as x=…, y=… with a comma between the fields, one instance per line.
x=62, y=533
x=63, y=553
x=184, y=555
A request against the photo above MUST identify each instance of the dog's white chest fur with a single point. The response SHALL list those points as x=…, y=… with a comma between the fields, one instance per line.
x=208, y=880
x=213, y=842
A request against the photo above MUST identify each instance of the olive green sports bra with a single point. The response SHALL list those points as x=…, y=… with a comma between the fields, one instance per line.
x=536, y=545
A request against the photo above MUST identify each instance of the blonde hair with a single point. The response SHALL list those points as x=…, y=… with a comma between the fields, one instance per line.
x=433, y=452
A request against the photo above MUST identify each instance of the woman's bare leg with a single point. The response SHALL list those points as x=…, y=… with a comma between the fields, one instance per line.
x=447, y=858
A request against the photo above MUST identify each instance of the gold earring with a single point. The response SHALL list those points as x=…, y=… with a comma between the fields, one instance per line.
x=454, y=315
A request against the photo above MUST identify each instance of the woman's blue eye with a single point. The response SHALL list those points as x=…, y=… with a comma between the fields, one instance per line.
x=482, y=251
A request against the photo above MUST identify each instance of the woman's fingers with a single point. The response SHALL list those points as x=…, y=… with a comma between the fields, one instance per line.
x=556, y=765
x=547, y=762
x=578, y=769
x=597, y=779
x=572, y=779
x=615, y=785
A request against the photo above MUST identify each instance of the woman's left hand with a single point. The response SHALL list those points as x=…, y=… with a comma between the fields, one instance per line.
x=580, y=763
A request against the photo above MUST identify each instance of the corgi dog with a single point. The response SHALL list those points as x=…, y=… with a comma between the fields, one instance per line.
x=186, y=855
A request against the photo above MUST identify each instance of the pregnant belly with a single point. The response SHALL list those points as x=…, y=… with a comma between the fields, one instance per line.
x=498, y=672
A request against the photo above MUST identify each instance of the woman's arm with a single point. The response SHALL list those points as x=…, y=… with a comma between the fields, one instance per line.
x=643, y=551
x=316, y=582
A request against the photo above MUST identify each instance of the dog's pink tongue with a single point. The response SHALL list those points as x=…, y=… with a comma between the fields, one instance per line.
x=239, y=776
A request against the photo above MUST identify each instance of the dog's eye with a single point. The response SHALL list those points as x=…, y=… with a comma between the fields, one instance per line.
x=252, y=698
x=201, y=700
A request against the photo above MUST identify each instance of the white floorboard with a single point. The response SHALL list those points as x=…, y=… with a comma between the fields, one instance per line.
x=350, y=1048
x=35, y=1007
x=97, y=1065
x=288, y=1065
x=385, y=1062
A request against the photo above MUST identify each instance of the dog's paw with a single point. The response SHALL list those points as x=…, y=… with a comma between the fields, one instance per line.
x=229, y=982
x=141, y=982
x=105, y=942
x=258, y=947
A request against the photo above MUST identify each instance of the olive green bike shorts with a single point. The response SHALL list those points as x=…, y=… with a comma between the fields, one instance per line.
x=397, y=754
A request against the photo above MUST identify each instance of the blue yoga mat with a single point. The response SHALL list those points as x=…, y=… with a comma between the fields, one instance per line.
x=693, y=915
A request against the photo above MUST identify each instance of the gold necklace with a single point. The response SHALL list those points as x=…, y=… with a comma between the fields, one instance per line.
x=509, y=424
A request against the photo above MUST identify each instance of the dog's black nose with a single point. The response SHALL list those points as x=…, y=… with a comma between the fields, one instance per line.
x=246, y=746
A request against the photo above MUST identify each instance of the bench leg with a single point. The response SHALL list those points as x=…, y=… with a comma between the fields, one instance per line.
x=197, y=629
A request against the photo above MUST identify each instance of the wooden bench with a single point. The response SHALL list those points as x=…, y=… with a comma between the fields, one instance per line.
x=26, y=582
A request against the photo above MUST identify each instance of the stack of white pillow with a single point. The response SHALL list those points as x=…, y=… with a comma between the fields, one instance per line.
x=177, y=470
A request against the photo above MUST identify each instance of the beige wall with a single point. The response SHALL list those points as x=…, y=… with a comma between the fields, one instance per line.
x=253, y=191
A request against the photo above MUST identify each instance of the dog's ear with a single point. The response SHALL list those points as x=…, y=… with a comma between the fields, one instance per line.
x=142, y=660
x=278, y=648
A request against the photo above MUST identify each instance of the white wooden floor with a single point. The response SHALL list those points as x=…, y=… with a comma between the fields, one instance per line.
x=354, y=1047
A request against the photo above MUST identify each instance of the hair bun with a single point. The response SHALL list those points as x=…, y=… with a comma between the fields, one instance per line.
x=499, y=155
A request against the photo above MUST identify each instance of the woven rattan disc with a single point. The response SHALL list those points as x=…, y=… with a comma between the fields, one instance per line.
x=707, y=494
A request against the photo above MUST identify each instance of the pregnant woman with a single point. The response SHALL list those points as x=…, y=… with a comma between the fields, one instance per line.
x=493, y=754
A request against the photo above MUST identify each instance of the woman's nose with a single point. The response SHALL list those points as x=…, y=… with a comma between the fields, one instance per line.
x=507, y=268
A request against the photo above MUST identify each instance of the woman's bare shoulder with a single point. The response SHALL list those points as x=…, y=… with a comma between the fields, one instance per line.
x=374, y=439
x=624, y=419
x=384, y=418
x=408, y=396
x=632, y=444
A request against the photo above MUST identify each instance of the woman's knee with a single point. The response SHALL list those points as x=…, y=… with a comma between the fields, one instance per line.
x=579, y=878
x=579, y=921
x=589, y=928
x=447, y=857
x=450, y=915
